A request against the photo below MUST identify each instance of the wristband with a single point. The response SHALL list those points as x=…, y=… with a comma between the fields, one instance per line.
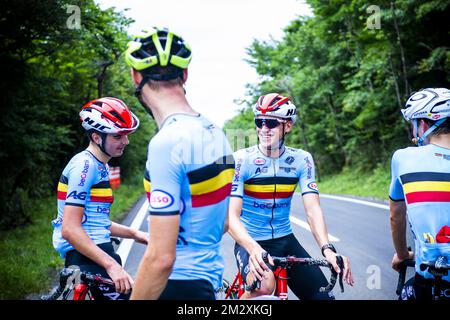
x=328, y=246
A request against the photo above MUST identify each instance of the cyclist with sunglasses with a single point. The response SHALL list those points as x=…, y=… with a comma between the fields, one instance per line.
x=266, y=176
x=420, y=190
x=82, y=230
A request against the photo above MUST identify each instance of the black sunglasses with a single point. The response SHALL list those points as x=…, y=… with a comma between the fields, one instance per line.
x=270, y=123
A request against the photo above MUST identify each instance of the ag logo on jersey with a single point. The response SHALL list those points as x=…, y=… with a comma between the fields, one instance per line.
x=160, y=199
x=312, y=186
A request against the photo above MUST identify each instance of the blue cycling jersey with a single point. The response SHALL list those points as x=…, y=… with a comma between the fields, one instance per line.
x=188, y=172
x=421, y=178
x=84, y=183
x=267, y=186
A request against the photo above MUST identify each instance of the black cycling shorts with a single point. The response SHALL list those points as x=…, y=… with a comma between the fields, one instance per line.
x=74, y=258
x=188, y=290
x=304, y=281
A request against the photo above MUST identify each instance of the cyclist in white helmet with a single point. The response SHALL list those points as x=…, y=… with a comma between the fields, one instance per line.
x=266, y=176
x=420, y=186
x=83, y=228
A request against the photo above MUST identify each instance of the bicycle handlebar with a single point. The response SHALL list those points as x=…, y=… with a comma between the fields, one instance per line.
x=286, y=262
x=86, y=277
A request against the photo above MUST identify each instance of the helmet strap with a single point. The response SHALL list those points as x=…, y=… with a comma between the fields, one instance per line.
x=101, y=146
x=421, y=140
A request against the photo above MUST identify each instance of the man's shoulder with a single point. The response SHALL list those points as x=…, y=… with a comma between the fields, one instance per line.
x=246, y=153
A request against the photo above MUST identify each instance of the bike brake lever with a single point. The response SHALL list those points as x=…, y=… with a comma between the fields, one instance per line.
x=340, y=263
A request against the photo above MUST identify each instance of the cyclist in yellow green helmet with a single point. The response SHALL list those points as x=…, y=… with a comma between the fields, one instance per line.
x=188, y=192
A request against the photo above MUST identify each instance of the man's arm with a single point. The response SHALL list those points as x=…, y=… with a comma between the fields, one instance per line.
x=398, y=229
x=241, y=236
x=121, y=231
x=73, y=232
x=158, y=260
x=316, y=221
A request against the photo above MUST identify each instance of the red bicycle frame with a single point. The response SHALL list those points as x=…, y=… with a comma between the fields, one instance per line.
x=80, y=291
x=281, y=289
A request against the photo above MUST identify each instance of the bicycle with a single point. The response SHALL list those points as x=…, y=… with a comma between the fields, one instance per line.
x=282, y=264
x=69, y=289
x=438, y=268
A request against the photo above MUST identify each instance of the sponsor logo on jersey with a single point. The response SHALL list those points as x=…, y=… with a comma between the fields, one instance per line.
x=312, y=186
x=289, y=160
x=103, y=210
x=237, y=170
x=259, y=161
x=270, y=205
x=84, y=173
x=77, y=196
x=443, y=156
x=309, y=168
x=261, y=170
x=288, y=169
x=160, y=199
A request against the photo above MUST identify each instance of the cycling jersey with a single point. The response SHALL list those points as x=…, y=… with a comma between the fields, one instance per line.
x=421, y=178
x=189, y=172
x=84, y=183
x=267, y=186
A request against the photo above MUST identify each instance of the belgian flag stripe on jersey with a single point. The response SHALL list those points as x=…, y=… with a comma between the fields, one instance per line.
x=268, y=195
x=212, y=170
x=146, y=181
x=270, y=188
x=211, y=184
x=102, y=192
x=62, y=190
x=272, y=180
x=426, y=187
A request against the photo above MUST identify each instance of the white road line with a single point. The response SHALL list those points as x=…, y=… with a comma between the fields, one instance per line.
x=305, y=225
x=125, y=245
x=366, y=203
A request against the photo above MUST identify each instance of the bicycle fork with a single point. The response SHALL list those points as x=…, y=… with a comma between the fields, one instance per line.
x=281, y=286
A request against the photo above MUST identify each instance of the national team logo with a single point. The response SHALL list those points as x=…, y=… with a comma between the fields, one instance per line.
x=259, y=161
x=312, y=186
x=289, y=160
x=160, y=199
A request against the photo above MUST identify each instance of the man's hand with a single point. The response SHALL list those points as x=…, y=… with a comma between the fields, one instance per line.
x=348, y=275
x=122, y=280
x=396, y=260
x=257, y=264
x=141, y=237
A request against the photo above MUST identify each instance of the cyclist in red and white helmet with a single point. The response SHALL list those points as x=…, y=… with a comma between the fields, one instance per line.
x=108, y=116
x=420, y=192
x=266, y=176
x=82, y=229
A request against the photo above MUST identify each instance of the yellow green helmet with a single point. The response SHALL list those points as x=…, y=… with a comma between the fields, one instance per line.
x=157, y=47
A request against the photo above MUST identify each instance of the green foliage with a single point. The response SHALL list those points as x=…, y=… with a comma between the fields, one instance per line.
x=349, y=81
x=52, y=71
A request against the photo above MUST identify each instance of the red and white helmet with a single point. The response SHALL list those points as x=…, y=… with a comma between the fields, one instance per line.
x=108, y=115
x=276, y=105
x=429, y=103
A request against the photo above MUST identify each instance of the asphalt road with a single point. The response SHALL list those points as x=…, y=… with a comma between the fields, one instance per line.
x=362, y=233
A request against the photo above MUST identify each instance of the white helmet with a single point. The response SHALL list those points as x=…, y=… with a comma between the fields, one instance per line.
x=274, y=104
x=429, y=103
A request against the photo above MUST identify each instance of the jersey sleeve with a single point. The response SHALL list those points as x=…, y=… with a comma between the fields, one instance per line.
x=80, y=178
x=237, y=187
x=307, y=175
x=395, y=188
x=166, y=171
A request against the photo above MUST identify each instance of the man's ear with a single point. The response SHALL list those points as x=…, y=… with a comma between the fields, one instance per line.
x=185, y=75
x=288, y=126
x=96, y=138
x=136, y=76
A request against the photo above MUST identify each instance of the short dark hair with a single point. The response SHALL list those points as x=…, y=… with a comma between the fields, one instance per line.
x=444, y=128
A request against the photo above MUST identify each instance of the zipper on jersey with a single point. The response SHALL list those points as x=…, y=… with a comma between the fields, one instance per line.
x=274, y=195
